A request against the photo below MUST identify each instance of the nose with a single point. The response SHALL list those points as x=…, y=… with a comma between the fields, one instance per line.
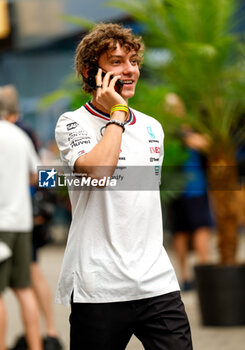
x=128, y=68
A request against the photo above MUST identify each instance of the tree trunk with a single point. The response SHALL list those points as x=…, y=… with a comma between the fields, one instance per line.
x=223, y=184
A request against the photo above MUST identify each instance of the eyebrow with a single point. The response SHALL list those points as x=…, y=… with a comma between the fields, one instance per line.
x=120, y=56
x=117, y=56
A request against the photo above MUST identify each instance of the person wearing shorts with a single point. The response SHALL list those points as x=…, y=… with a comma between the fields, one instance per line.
x=42, y=213
x=116, y=273
x=190, y=218
x=15, y=272
x=18, y=162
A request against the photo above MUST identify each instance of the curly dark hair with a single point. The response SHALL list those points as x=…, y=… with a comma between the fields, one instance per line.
x=103, y=37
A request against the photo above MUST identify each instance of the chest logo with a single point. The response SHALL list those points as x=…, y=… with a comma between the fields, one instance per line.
x=150, y=132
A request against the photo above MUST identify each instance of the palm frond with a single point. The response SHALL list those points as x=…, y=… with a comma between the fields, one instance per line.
x=81, y=22
x=206, y=57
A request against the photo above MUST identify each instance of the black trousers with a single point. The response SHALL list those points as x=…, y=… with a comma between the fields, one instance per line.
x=160, y=323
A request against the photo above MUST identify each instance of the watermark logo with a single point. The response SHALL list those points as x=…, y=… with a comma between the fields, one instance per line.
x=47, y=178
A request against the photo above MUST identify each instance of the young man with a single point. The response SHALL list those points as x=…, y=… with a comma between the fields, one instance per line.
x=115, y=272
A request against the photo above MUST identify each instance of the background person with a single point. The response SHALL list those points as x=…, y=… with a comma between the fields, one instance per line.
x=18, y=161
x=189, y=213
x=42, y=213
x=115, y=271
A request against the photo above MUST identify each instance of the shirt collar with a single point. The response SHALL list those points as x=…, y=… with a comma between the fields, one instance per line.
x=97, y=113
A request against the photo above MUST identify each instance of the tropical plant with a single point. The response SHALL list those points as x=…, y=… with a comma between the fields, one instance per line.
x=205, y=63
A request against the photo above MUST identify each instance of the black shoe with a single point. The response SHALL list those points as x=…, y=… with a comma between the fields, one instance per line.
x=20, y=344
x=51, y=343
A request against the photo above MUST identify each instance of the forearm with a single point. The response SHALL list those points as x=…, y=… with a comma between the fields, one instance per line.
x=102, y=160
x=34, y=179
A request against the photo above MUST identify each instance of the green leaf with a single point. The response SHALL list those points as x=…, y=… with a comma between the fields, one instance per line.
x=82, y=22
x=51, y=98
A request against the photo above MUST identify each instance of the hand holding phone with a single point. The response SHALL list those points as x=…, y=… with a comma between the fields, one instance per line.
x=106, y=96
x=91, y=80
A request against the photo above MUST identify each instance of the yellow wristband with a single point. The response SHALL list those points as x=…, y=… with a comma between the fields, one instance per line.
x=119, y=107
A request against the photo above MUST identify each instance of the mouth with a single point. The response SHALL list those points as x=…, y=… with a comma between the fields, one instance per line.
x=128, y=82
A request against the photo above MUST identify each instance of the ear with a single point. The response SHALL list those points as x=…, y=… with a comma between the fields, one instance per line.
x=12, y=118
x=85, y=71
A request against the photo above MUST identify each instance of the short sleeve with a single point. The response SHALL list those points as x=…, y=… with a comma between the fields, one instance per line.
x=33, y=159
x=161, y=156
x=73, y=140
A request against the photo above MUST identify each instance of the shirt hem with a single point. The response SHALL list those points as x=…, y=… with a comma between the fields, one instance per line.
x=78, y=299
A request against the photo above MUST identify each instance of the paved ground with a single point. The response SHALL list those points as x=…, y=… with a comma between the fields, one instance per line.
x=204, y=338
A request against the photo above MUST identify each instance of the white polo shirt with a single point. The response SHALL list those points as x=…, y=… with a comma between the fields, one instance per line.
x=17, y=160
x=114, y=250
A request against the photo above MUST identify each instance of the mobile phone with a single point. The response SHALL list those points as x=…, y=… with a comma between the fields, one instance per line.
x=91, y=80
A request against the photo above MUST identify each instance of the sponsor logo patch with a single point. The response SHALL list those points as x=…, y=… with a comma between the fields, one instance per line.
x=71, y=126
x=155, y=149
x=157, y=169
x=80, y=153
x=150, y=132
x=152, y=141
x=74, y=134
x=152, y=159
x=79, y=142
